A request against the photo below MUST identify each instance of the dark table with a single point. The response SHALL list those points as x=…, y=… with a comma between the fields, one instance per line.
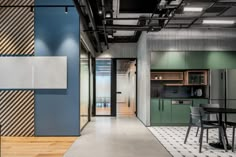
x=220, y=112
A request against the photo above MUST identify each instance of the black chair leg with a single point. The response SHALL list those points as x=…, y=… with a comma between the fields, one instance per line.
x=233, y=139
x=186, y=137
x=225, y=134
x=207, y=134
x=223, y=139
x=197, y=131
x=201, y=136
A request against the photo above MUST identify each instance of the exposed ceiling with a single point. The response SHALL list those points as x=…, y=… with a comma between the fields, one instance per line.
x=128, y=18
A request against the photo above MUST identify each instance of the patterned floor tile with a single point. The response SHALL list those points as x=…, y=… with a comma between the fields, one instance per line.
x=172, y=138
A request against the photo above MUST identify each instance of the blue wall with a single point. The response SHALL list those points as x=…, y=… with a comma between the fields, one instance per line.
x=57, y=34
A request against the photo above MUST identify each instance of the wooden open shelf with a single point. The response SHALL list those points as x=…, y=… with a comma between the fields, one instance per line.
x=167, y=76
x=170, y=84
x=181, y=78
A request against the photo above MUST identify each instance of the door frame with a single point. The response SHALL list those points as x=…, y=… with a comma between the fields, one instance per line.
x=114, y=86
x=90, y=58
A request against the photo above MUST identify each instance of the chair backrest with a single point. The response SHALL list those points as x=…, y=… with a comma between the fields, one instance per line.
x=196, y=115
x=213, y=117
x=210, y=105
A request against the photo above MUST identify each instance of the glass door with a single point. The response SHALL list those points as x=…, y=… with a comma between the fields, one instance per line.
x=126, y=87
x=103, y=87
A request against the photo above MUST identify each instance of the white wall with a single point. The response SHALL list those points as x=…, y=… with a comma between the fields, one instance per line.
x=143, y=80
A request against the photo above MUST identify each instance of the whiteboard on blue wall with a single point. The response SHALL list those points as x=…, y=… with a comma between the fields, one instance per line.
x=33, y=72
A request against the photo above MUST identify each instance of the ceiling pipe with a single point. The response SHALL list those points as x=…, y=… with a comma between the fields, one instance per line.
x=103, y=23
x=127, y=27
x=173, y=13
x=82, y=19
x=201, y=14
x=91, y=18
x=135, y=18
x=166, y=18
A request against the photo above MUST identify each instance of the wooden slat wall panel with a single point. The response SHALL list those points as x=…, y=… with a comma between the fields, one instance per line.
x=16, y=39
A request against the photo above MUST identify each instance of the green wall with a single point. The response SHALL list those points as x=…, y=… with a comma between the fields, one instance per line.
x=193, y=60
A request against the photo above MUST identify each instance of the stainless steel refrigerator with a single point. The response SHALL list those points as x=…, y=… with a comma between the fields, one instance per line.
x=223, y=89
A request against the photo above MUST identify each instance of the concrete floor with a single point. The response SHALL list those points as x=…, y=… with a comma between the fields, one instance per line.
x=116, y=137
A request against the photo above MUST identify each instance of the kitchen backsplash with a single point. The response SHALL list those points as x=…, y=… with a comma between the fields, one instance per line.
x=158, y=90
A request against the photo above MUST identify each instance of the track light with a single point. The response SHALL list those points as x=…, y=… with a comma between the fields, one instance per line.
x=32, y=9
x=66, y=10
x=100, y=12
x=219, y=22
x=108, y=15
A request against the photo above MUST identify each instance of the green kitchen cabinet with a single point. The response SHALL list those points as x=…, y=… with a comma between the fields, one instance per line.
x=193, y=60
x=180, y=113
x=159, y=60
x=196, y=60
x=196, y=102
x=221, y=60
x=168, y=60
x=155, y=111
x=166, y=111
x=176, y=60
x=160, y=111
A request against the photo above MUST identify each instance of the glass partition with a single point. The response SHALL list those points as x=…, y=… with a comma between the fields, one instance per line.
x=84, y=87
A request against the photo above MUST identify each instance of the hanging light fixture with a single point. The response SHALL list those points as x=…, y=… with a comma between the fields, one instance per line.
x=32, y=9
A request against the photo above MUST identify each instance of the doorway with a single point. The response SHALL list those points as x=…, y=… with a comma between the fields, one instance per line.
x=126, y=87
x=115, y=92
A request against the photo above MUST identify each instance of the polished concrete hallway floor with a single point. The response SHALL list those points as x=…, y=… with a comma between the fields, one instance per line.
x=116, y=137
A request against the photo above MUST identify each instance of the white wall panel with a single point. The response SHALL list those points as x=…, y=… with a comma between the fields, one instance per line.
x=50, y=72
x=15, y=72
x=33, y=72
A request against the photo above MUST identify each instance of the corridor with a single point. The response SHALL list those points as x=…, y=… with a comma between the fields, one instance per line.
x=116, y=137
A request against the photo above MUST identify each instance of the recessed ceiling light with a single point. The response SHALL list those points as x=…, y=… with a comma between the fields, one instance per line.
x=100, y=12
x=193, y=9
x=110, y=36
x=108, y=15
x=219, y=22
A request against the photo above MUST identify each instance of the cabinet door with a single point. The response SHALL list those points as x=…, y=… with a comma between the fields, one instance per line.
x=196, y=60
x=155, y=111
x=166, y=111
x=176, y=60
x=180, y=114
x=159, y=60
x=168, y=60
x=196, y=102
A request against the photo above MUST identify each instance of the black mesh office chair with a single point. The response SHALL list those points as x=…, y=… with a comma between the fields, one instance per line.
x=197, y=117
